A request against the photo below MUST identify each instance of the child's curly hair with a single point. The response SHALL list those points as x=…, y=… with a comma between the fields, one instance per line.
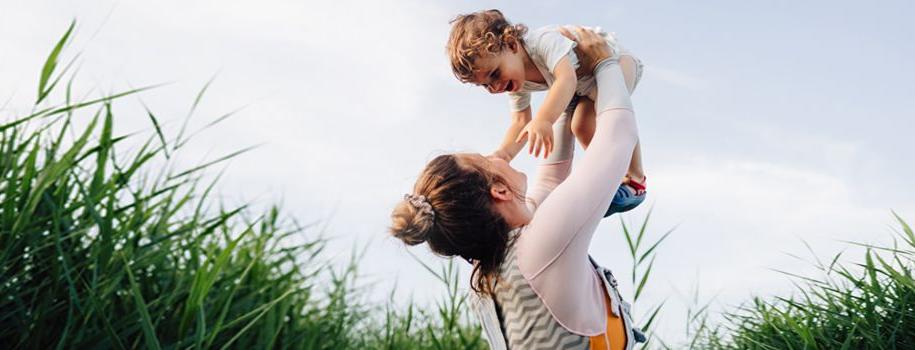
x=477, y=34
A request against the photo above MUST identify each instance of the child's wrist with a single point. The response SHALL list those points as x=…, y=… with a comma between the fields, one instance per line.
x=546, y=119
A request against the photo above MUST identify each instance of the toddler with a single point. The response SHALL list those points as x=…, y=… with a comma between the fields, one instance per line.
x=486, y=50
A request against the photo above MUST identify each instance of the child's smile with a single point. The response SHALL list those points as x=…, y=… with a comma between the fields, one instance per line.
x=503, y=72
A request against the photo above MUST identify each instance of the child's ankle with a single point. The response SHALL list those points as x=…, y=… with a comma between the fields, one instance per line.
x=637, y=178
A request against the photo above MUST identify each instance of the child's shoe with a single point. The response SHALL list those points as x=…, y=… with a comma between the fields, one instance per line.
x=628, y=196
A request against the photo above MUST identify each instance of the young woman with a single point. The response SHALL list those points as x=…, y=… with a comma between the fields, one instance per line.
x=536, y=286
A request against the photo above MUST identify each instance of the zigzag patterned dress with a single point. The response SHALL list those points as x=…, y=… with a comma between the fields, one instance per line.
x=526, y=322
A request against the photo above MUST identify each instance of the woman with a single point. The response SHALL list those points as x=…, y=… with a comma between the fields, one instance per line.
x=536, y=285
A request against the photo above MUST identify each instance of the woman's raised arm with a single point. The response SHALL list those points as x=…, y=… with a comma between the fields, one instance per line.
x=591, y=50
x=553, y=249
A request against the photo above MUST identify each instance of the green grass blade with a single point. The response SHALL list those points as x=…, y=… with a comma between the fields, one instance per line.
x=149, y=333
x=51, y=62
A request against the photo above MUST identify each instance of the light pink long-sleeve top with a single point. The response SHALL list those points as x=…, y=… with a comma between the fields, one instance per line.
x=568, y=204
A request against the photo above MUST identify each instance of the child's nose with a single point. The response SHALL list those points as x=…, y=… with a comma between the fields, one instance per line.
x=497, y=87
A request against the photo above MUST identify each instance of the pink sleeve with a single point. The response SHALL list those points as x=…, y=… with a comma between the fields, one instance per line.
x=553, y=247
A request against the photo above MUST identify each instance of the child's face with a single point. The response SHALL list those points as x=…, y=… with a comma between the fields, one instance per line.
x=502, y=72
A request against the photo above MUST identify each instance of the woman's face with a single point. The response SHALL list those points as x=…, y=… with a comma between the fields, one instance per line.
x=517, y=180
x=509, y=198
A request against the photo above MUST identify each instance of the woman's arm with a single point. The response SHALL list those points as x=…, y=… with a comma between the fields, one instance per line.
x=567, y=218
x=590, y=50
x=553, y=249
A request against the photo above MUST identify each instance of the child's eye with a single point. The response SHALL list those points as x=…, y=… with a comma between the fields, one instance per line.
x=494, y=75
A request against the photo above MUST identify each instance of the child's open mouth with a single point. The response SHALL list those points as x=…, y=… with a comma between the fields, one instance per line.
x=510, y=87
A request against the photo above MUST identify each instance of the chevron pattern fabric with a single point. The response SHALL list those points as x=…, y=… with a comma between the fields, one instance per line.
x=526, y=322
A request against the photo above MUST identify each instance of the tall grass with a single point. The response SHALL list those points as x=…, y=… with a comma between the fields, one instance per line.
x=643, y=252
x=104, y=248
x=866, y=305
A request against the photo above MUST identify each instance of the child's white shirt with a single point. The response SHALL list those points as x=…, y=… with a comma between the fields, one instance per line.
x=547, y=46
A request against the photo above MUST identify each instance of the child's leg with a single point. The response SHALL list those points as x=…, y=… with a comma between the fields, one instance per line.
x=584, y=121
x=628, y=197
x=631, y=74
x=630, y=71
x=636, y=172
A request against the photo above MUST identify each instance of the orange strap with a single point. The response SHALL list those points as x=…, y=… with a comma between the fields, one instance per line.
x=615, y=337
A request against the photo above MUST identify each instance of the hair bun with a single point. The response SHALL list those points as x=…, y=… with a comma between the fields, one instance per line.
x=412, y=223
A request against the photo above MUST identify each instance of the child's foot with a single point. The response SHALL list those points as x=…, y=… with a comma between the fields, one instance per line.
x=636, y=183
x=628, y=196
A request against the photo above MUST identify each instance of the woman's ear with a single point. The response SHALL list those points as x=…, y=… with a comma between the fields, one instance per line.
x=501, y=192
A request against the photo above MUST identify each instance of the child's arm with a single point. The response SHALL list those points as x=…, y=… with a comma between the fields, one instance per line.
x=510, y=147
x=540, y=129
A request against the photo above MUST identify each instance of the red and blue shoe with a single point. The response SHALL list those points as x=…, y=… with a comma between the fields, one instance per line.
x=628, y=196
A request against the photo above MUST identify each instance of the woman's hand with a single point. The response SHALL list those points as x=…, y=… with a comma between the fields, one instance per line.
x=592, y=48
x=540, y=134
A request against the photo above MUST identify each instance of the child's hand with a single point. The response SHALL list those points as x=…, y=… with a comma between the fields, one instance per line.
x=540, y=135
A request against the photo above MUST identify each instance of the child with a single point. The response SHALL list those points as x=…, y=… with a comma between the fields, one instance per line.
x=485, y=49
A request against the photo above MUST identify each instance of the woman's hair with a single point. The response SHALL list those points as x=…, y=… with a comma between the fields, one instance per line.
x=477, y=34
x=462, y=221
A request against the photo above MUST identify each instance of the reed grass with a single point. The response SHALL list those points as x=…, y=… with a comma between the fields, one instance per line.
x=105, y=248
x=867, y=304
x=643, y=251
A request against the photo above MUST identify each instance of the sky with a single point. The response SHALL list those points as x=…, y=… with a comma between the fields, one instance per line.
x=763, y=124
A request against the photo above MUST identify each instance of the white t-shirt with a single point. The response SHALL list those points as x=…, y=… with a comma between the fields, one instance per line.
x=546, y=46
